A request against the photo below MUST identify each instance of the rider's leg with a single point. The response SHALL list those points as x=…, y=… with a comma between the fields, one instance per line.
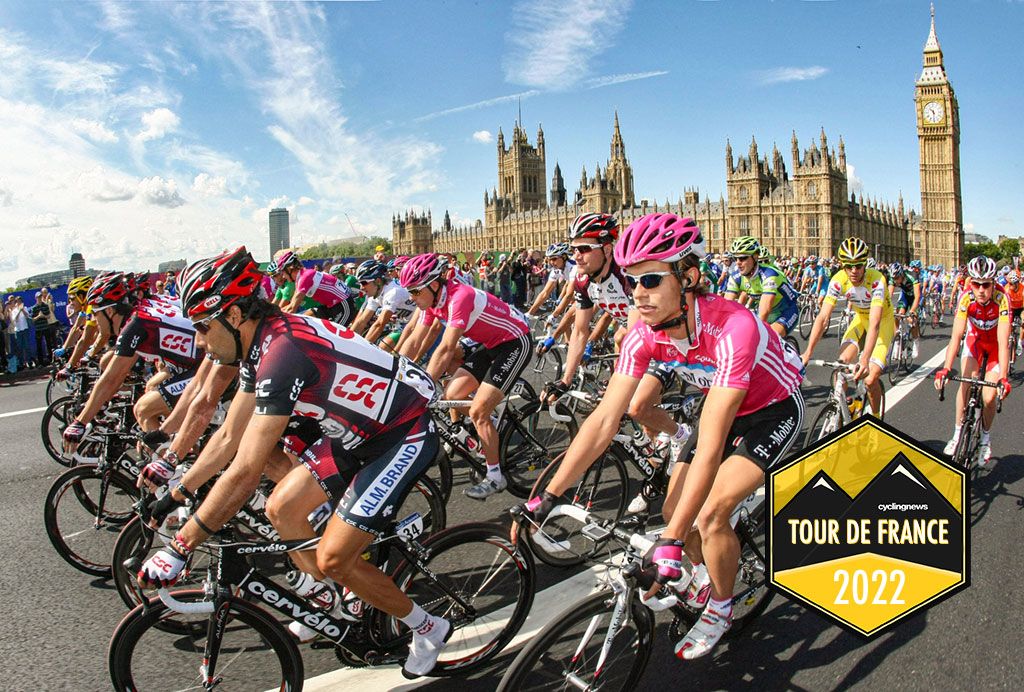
x=460, y=386
x=148, y=410
x=288, y=509
x=988, y=395
x=644, y=409
x=486, y=400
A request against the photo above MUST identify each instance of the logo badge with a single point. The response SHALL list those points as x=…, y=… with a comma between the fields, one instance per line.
x=868, y=526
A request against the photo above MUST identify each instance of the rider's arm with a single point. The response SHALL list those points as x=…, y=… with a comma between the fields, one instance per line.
x=106, y=386
x=177, y=416
x=202, y=408
x=764, y=306
x=411, y=328
x=1003, y=336
x=88, y=338
x=565, y=325
x=542, y=296
x=820, y=325
x=223, y=444
x=577, y=342
x=917, y=299
x=601, y=328
x=362, y=321
x=441, y=360
x=239, y=482
x=595, y=433
x=376, y=330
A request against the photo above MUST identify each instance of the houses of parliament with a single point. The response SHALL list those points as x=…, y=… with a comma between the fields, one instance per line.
x=797, y=205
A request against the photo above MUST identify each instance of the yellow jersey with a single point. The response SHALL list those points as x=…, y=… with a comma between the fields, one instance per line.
x=872, y=291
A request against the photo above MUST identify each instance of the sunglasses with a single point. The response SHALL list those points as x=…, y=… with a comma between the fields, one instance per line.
x=584, y=249
x=417, y=291
x=649, y=280
x=363, y=283
x=742, y=258
x=857, y=265
x=203, y=326
x=981, y=284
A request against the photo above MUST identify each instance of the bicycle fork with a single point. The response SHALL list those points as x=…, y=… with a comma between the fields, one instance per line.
x=619, y=615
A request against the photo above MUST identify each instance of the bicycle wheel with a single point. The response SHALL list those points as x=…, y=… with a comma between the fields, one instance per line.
x=529, y=441
x=477, y=563
x=567, y=653
x=548, y=365
x=893, y=359
x=54, y=421
x=81, y=530
x=425, y=501
x=255, y=653
x=806, y=320
x=603, y=490
x=828, y=420
x=966, y=446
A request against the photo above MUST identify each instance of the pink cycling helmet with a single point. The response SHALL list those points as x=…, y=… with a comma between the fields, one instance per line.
x=422, y=269
x=659, y=237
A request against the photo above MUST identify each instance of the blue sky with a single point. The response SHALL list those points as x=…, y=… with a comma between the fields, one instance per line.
x=138, y=132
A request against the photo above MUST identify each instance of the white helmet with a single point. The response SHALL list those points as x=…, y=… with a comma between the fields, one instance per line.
x=981, y=267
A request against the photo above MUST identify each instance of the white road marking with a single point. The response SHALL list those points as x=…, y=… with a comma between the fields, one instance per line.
x=904, y=386
x=22, y=413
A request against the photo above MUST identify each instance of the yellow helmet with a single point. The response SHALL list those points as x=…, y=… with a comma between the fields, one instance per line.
x=853, y=251
x=80, y=285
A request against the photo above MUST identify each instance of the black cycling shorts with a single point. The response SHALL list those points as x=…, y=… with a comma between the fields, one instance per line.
x=764, y=437
x=370, y=482
x=172, y=388
x=502, y=365
x=664, y=373
x=342, y=312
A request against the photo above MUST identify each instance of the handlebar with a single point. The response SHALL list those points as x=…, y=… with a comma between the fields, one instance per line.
x=848, y=367
x=972, y=381
x=199, y=608
x=445, y=404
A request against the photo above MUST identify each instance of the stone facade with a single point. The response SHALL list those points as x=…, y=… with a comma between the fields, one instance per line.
x=805, y=209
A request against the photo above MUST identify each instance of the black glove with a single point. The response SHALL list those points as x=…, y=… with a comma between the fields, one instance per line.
x=555, y=389
x=155, y=438
x=537, y=508
x=158, y=509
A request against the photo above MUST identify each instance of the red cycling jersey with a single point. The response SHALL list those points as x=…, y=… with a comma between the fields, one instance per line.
x=158, y=330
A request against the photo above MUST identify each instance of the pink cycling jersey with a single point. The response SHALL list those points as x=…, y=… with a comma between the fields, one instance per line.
x=321, y=288
x=732, y=348
x=485, y=319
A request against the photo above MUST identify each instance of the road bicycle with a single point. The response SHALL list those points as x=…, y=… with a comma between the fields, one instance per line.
x=469, y=574
x=900, y=358
x=808, y=303
x=605, y=488
x=841, y=407
x=965, y=455
x=604, y=641
x=845, y=317
x=527, y=436
x=1015, y=343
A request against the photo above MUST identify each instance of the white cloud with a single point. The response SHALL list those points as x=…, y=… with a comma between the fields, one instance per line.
x=483, y=136
x=100, y=186
x=97, y=132
x=116, y=15
x=609, y=80
x=572, y=33
x=305, y=201
x=158, y=123
x=210, y=186
x=48, y=220
x=479, y=104
x=6, y=195
x=779, y=75
x=160, y=192
x=853, y=183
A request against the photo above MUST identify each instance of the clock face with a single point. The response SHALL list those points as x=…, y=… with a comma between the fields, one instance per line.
x=933, y=112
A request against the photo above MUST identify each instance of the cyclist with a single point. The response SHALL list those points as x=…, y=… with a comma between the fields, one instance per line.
x=341, y=273
x=387, y=304
x=490, y=370
x=79, y=312
x=331, y=299
x=562, y=272
x=1015, y=296
x=769, y=289
x=373, y=423
x=982, y=313
x=752, y=412
x=906, y=299
x=871, y=329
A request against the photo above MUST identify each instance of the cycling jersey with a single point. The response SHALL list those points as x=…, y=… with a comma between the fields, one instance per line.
x=903, y=291
x=768, y=280
x=157, y=329
x=731, y=348
x=611, y=294
x=286, y=292
x=301, y=365
x=1015, y=295
x=983, y=320
x=871, y=292
x=393, y=298
x=485, y=318
x=322, y=288
x=568, y=273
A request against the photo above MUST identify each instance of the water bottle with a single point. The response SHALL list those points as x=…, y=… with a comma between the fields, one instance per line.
x=468, y=440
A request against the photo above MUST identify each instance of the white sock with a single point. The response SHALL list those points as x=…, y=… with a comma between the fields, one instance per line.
x=417, y=619
x=720, y=607
x=682, y=431
x=494, y=473
x=985, y=437
x=956, y=432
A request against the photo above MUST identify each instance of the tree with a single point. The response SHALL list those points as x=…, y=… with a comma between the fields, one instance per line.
x=364, y=248
x=1009, y=248
x=973, y=250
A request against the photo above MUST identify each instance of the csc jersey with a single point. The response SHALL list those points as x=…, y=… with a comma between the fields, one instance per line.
x=611, y=294
x=157, y=329
x=300, y=365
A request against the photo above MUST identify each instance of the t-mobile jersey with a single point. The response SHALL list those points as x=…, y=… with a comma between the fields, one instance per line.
x=394, y=299
x=612, y=294
x=322, y=288
x=158, y=329
x=731, y=348
x=486, y=319
x=315, y=368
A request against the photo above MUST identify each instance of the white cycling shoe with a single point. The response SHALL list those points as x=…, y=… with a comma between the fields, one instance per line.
x=425, y=648
x=705, y=633
x=950, y=446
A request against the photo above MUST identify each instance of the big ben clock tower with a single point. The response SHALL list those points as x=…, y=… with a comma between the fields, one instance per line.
x=938, y=135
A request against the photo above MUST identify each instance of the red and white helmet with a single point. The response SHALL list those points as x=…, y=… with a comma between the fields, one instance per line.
x=659, y=237
x=422, y=269
x=981, y=267
x=600, y=227
x=210, y=286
